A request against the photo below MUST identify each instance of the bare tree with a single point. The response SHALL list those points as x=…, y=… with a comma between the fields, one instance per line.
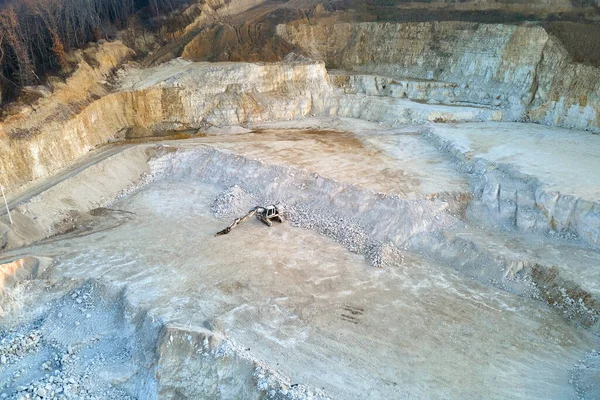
x=12, y=30
x=49, y=13
x=35, y=35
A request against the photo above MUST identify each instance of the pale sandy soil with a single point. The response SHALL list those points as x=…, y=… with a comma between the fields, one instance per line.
x=288, y=298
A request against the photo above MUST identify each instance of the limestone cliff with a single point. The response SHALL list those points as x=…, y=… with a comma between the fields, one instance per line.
x=176, y=96
x=568, y=93
x=493, y=71
x=492, y=65
x=520, y=69
x=537, y=7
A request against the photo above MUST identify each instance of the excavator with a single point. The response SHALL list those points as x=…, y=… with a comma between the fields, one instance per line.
x=263, y=214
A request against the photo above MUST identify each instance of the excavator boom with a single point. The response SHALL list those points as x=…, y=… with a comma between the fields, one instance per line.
x=264, y=214
x=236, y=222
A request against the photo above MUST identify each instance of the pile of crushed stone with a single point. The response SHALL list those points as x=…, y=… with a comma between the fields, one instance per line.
x=79, y=346
x=235, y=202
x=232, y=203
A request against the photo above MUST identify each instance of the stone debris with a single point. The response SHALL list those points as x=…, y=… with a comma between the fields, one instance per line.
x=433, y=74
x=61, y=358
x=385, y=255
x=64, y=386
x=327, y=222
x=232, y=203
x=12, y=350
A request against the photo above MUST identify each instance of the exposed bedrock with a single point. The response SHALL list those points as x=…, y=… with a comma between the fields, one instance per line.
x=393, y=72
x=387, y=72
x=179, y=97
x=445, y=9
x=486, y=61
x=519, y=69
x=513, y=197
x=381, y=226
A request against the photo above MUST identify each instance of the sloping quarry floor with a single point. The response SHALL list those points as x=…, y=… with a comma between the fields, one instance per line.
x=146, y=302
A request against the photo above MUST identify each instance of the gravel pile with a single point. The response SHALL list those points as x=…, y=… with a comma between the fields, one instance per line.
x=14, y=349
x=73, y=348
x=331, y=224
x=355, y=217
x=232, y=203
x=67, y=382
x=385, y=255
x=235, y=202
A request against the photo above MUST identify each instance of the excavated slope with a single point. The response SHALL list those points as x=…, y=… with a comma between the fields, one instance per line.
x=184, y=96
x=472, y=229
x=503, y=72
x=234, y=323
x=520, y=69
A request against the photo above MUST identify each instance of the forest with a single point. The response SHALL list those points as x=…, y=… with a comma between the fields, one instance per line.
x=36, y=35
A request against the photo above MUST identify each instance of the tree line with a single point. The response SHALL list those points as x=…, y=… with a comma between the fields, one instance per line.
x=35, y=35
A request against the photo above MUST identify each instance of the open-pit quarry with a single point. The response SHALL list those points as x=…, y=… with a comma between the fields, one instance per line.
x=441, y=232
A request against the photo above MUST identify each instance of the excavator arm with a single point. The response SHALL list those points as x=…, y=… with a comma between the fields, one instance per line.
x=264, y=214
x=236, y=222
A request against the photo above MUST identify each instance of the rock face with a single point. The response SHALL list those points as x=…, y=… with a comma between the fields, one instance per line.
x=191, y=95
x=487, y=62
x=178, y=96
x=183, y=96
x=385, y=72
x=520, y=69
x=568, y=93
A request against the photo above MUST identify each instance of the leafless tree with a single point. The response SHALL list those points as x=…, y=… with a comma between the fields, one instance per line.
x=13, y=32
x=35, y=35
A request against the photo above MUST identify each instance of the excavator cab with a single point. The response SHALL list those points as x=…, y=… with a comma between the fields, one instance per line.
x=271, y=211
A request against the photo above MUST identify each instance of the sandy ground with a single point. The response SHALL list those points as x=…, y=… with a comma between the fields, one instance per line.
x=288, y=299
x=319, y=314
x=392, y=162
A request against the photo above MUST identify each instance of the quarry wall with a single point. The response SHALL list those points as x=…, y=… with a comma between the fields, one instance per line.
x=179, y=96
x=521, y=69
x=539, y=7
x=509, y=72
